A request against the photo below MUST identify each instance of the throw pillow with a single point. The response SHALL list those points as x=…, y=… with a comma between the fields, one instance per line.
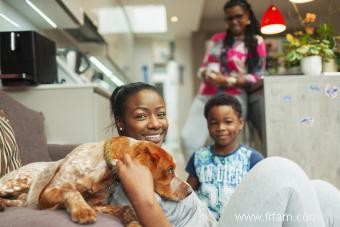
x=28, y=126
x=9, y=152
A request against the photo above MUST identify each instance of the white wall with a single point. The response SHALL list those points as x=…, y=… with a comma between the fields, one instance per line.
x=184, y=56
x=121, y=49
x=142, y=56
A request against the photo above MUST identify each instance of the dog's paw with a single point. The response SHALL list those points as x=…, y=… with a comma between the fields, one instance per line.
x=133, y=224
x=14, y=186
x=84, y=215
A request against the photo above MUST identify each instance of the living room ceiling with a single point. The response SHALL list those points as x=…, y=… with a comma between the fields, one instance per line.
x=188, y=12
x=207, y=15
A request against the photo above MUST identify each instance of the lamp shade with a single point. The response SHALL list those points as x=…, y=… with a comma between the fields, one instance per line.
x=272, y=21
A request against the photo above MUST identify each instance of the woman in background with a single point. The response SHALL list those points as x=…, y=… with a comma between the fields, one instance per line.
x=234, y=61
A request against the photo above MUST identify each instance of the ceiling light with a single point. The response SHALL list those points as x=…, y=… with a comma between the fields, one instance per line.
x=301, y=1
x=147, y=18
x=174, y=19
x=272, y=21
x=9, y=20
x=43, y=15
x=106, y=71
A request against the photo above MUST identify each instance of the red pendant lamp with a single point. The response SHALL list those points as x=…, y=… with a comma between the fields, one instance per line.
x=272, y=21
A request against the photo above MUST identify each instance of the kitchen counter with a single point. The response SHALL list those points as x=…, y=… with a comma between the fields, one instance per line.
x=73, y=113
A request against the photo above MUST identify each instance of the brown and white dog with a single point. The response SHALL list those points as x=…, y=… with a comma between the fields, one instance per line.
x=81, y=181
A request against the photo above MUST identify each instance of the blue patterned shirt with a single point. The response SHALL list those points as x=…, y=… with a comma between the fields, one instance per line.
x=219, y=175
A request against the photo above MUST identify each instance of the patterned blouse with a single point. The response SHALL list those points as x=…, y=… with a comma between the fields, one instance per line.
x=235, y=62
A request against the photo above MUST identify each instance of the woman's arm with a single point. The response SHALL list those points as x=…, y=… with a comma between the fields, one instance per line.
x=138, y=184
x=253, y=78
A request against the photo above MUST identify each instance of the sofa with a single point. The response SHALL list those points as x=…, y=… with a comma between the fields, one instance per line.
x=28, y=128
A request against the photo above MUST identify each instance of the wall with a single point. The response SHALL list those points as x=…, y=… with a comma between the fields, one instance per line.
x=199, y=40
x=121, y=48
x=184, y=56
x=142, y=56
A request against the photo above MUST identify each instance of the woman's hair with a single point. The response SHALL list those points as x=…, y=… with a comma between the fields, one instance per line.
x=249, y=35
x=122, y=93
x=223, y=100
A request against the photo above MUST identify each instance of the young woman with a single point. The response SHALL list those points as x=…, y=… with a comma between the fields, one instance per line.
x=139, y=112
x=234, y=61
x=274, y=193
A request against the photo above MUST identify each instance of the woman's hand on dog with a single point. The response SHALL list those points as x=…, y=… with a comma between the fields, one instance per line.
x=137, y=182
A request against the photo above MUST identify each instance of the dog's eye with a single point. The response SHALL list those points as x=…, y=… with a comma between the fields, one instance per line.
x=171, y=171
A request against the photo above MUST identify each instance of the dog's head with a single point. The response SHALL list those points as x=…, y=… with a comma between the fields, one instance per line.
x=159, y=162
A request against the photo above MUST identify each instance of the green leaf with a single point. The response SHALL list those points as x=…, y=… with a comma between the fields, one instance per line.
x=325, y=30
x=314, y=51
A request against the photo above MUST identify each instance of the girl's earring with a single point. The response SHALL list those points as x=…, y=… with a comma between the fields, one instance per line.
x=120, y=129
x=248, y=22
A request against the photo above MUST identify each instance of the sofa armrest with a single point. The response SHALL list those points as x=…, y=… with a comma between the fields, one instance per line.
x=57, y=151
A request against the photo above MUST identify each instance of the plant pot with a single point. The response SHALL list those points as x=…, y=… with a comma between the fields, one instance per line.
x=330, y=66
x=311, y=65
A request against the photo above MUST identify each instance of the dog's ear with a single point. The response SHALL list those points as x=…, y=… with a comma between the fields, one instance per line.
x=146, y=155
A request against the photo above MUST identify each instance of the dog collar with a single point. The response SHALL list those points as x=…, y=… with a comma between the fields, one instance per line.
x=111, y=164
x=107, y=152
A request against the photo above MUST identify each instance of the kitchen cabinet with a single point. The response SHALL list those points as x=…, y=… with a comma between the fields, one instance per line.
x=73, y=113
x=303, y=122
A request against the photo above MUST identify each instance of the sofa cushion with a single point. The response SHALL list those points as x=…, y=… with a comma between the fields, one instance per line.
x=18, y=217
x=28, y=127
x=9, y=152
x=59, y=151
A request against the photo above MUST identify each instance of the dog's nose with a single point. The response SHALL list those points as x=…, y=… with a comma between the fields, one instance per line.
x=180, y=189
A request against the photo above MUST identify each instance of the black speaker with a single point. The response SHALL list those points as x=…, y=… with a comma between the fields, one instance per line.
x=26, y=57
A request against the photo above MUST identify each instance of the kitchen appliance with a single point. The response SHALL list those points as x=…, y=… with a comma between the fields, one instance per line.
x=26, y=57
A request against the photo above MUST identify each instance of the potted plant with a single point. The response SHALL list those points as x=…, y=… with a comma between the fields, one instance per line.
x=310, y=47
x=329, y=61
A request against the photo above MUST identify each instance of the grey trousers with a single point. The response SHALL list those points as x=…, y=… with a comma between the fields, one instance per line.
x=276, y=193
x=329, y=199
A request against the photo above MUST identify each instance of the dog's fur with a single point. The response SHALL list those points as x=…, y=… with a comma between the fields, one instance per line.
x=81, y=181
